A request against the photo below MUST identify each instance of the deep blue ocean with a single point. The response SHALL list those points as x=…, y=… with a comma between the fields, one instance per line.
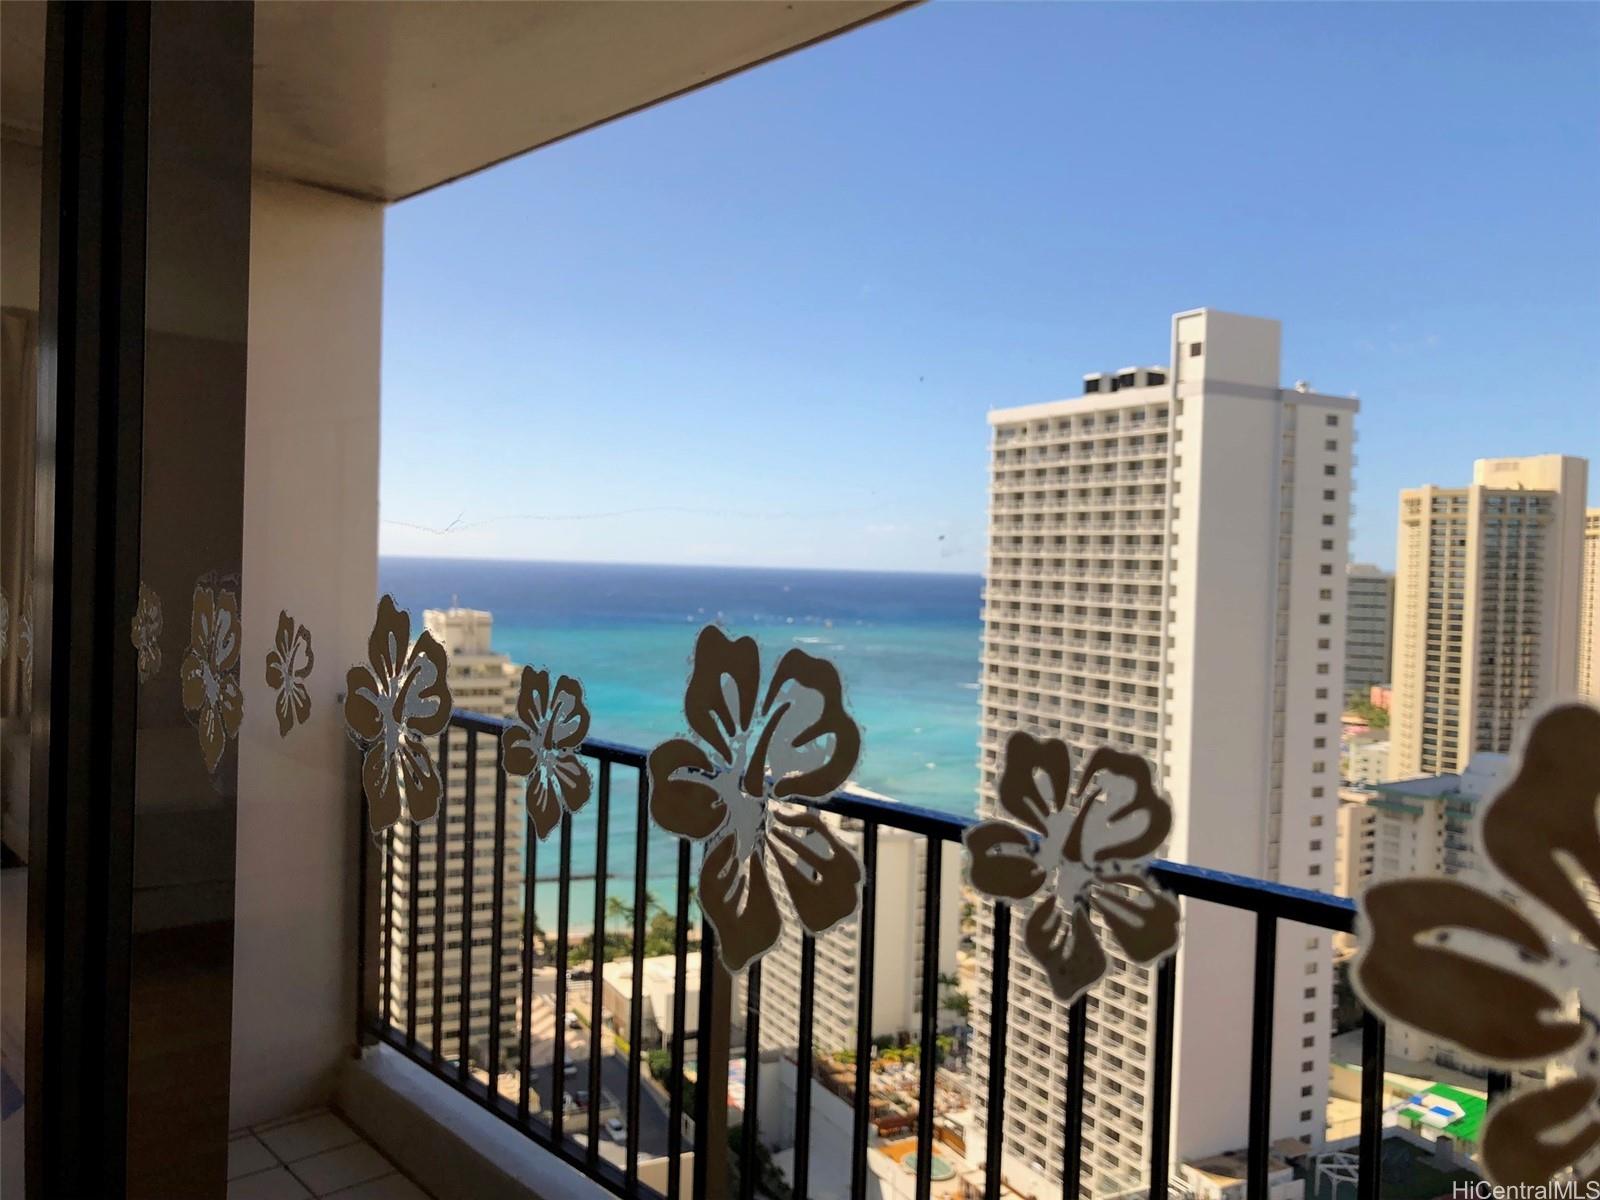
x=906, y=646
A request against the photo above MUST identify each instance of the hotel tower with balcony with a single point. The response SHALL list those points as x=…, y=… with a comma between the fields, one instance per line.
x=1166, y=575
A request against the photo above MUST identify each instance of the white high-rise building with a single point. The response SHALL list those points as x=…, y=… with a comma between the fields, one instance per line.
x=1368, y=628
x=1589, y=618
x=900, y=882
x=484, y=682
x=1166, y=575
x=1487, y=592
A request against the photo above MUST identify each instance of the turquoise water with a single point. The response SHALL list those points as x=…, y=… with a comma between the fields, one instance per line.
x=906, y=646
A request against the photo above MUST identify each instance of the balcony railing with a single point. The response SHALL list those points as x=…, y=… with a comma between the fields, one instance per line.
x=575, y=1135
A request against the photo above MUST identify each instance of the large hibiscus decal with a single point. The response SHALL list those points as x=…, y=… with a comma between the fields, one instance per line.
x=210, y=672
x=543, y=743
x=1512, y=976
x=392, y=705
x=1087, y=855
x=735, y=784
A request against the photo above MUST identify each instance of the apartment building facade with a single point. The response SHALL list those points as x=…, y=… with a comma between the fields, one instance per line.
x=1487, y=591
x=1166, y=575
x=900, y=880
x=1369, y=626
x=1423, y=826
x=1589, y=615
x=485, y=682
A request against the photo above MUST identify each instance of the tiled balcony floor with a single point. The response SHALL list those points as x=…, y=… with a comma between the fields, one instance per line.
x=312, y=1154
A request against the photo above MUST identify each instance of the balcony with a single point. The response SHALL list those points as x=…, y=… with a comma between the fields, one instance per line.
x=216, y=940
x=664, y=1142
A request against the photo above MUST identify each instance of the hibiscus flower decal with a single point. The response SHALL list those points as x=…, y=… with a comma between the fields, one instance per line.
x=1088, y=855
x=1512, y=978
x=727, y=783
x=392, y=705
x=542, y=744
x=145, y=632
x=289, y=662
x=210, y=671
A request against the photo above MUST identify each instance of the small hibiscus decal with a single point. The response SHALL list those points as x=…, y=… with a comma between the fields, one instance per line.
x=289, y=663
x=542, y=744
x=145, y=632
x=210, y=672
x=393, y=703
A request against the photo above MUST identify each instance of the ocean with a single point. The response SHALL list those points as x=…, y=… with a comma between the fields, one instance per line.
x=906, y=646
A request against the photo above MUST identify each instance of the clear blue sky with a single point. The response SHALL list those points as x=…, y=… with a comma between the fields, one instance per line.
x=762, y=324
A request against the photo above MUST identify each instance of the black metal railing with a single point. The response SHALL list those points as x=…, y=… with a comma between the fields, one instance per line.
x=400, y=1025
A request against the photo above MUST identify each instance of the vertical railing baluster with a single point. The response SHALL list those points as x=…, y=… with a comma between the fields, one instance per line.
x=641, y=869
x=752, y=1082
x=558, y=1055
x=364, y=1014
x=468, y=832
x=496, y=956
x=441, y=842
x=1161, y=1084
x=530, y=921
x=802, y=1093
x=387, y=966
x=1072, y=1144
x=928, y=1081
x=1499, y=1085
x=1369, y=1169
x=999, y=998
x=597, y=958
x=414, y=920
x=1266, y=971
x=865, y=977
x=705, y=1041
x=680, y=989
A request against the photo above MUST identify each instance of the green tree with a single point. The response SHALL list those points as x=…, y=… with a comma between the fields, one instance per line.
x=1363, y=707
x=958, y=1003
x=618, y=911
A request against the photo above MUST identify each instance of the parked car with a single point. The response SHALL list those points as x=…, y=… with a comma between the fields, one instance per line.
x=616, y=1130
x=569, y=1069
x=571, y=1020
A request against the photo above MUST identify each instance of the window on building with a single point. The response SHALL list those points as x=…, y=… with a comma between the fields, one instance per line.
x=1194, y=349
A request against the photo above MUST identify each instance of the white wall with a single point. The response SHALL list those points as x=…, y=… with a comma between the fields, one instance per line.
x=310, y=547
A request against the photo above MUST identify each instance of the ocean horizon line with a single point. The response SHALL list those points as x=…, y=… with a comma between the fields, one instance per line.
x=658, y=566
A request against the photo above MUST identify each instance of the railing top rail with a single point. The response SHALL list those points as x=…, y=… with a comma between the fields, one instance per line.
x=1299, y=905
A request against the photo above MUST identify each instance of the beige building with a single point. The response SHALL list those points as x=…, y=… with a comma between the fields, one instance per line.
x=1589, y=617
x=484, y=682
x=1355, y=849
x=1487, y=594
x=1166, y=575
